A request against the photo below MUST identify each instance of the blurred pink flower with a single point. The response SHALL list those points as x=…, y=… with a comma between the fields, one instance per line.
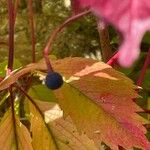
x=130, y=17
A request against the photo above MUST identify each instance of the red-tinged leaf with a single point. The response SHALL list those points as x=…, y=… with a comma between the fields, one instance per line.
x=100, y=101
x=130, y=17
x=7, y=135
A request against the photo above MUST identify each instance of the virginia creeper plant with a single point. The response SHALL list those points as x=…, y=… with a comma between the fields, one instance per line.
x=75, y=102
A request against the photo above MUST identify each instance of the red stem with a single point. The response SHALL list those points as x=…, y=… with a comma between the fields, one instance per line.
x=113, y=59
x=10, y=62
x=48, y=47
x=11, y=35
x=144, y=69
x=32, y=29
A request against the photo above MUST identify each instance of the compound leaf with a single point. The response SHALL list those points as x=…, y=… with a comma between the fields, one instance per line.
x=98, y=99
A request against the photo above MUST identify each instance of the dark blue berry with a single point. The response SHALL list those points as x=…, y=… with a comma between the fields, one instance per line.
x=54, y=80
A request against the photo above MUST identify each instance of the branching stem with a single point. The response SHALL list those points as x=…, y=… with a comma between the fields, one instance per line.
x=48, y=47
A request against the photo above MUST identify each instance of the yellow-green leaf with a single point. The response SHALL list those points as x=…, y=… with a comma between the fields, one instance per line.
x=42, y=92
x=63, y=134
x=41, y=138
x=7, y=134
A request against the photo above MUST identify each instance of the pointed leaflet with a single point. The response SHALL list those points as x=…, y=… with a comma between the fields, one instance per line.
x=130, y=17
x=7, y=137
x=63, y=134
x=102, y=94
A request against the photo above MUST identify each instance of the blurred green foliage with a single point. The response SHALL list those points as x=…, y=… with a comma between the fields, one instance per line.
x=79, y=38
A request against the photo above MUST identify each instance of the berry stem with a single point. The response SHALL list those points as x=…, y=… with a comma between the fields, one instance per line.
x=48, y=47
x=144, y=69
x=11, y=36
x=31, y=21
